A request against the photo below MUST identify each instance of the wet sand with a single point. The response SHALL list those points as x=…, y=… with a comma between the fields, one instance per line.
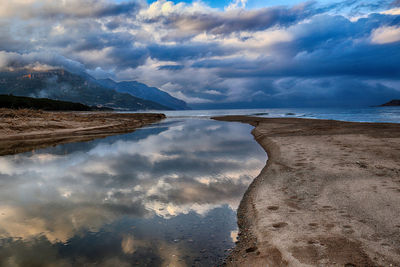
x=328, y=196
x=25, y=130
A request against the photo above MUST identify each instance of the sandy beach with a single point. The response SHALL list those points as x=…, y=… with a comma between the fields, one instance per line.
x=24, y=130
x=328, y=196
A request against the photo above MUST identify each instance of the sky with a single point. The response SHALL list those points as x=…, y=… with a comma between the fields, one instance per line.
x=217, y=54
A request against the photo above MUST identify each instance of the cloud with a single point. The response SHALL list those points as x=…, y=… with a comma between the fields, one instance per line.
x=237, y=4
x=48, y=9
x=393, y=11
x=236, y=20
x=202, y=54
x=36, y=60
x=183, y=52
x=386, y=35
x=396, y=3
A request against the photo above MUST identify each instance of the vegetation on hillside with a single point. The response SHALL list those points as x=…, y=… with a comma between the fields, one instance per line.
x=21, y=102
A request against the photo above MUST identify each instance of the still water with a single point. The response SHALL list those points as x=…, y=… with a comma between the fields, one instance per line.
x=364, y=114
x=164, y=195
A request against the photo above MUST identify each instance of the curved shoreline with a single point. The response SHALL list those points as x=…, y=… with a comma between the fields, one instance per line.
x=329, y=195
x=26, y=130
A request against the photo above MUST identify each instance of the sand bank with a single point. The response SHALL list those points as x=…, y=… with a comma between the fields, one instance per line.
x=24, y=130
x=328, y=196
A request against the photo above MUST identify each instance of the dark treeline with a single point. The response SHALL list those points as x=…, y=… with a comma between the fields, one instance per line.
x=19, y=102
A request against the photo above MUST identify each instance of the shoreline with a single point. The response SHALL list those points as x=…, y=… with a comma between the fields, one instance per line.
x=26, y=130
x=329, y=195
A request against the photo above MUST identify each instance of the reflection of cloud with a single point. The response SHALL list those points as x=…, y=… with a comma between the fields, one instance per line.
x=195, y=166
x=171, y=255
x=55, y=223
x=128, y=244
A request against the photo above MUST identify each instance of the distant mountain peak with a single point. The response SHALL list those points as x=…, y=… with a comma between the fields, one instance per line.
x=141, y=90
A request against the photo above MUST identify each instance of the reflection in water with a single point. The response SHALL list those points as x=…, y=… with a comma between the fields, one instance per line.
x=163, y=195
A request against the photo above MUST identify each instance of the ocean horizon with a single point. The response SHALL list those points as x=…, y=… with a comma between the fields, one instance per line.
x=365, y=114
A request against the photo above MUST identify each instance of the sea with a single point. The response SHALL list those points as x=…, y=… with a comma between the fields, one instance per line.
x=365, y=114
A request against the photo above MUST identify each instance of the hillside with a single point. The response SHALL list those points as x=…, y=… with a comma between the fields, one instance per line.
x=23, y=102
x=143, y=91
x=66, y=86
x=392, y=103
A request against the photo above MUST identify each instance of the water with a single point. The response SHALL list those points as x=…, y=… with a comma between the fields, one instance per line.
x=163, y=195
x=368, y=114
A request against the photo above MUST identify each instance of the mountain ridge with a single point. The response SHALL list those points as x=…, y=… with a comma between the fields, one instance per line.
x=143, y=91
x=60, y=84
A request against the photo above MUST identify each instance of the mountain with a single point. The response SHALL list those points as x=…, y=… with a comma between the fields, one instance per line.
x=143, y=91
x=63, y=85
x=392, y=103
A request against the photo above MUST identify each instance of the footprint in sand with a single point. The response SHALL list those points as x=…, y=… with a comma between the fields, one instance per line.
x=347, y=229
x=329, y=226
x=279, y=225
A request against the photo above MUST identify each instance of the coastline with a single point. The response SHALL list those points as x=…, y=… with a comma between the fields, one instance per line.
x=329, y=195
x=25, y=130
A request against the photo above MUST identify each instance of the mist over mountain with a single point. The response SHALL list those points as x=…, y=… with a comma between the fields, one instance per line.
x=145, y=92
x=60, y=84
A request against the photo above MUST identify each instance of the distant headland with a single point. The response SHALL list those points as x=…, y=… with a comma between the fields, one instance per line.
x=392, y=103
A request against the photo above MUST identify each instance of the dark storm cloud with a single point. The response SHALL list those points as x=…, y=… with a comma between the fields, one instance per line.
x=78, y=9
x=127, y=57
x=192, y=51
x=171, y=67
x=325, y=46
x=244, y=20
x=337, y=91
x=128, y=8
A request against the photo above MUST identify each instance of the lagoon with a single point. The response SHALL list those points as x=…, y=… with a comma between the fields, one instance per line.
x=163, y=195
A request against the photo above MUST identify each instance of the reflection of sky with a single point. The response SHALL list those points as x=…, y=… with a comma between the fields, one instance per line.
x=170, y=189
